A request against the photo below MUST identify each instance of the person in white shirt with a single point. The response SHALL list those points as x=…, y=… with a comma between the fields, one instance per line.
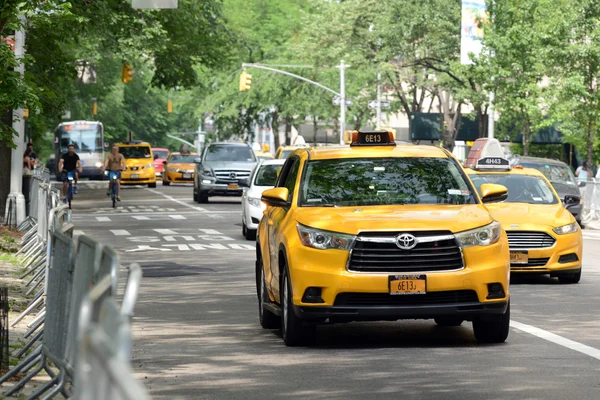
x=583, y=172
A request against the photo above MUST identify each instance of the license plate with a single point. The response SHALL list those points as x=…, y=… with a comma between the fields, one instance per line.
x=233, y=186
x=519, y=257
x=187, y=176
x=408, y=284
x=134, y=176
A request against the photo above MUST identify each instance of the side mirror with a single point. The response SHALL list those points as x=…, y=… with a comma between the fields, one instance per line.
x=571, y=201
x=276, y=197
x=581, y=184
x=492, y=193
x=197, y=160
x=244, y=182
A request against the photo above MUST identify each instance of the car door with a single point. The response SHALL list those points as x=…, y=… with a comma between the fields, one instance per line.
x=276, y=217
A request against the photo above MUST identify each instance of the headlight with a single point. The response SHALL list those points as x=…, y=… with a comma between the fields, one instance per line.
x=563, y=230
x=148, y=165
x=254, y=201
x=207, y=172
x=324, y=239
x=98, y=164
x=172, y=169
x=483, y=236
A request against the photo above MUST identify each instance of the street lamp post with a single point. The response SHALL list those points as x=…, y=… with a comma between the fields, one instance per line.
x=342, y=68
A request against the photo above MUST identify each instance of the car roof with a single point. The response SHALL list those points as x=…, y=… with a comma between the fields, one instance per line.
x=279, y=161
x=400, y=150
x=513, y=171
x=539, y=160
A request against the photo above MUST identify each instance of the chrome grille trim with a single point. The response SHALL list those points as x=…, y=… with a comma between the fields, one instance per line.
x=529, y=240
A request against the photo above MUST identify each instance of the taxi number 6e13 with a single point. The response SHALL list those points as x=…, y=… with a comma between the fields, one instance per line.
x=373, y=138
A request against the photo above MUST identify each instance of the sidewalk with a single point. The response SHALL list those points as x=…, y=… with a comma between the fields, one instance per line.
x=10, y=270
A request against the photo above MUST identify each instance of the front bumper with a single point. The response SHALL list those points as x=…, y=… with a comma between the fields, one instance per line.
x=564, y=255
x=220, y=189
x=252, y=215
x=177, y=177
x=144, y=176
x=317, y=268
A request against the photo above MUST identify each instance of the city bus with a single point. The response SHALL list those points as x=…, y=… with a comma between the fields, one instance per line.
x=88, y=139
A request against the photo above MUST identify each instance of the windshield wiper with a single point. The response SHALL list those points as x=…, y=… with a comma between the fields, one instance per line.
x=319, y=205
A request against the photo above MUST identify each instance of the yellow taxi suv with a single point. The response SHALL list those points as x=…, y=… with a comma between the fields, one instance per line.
x=179, y=168
x=139, y=162
x=380, y=231
x=543, y=236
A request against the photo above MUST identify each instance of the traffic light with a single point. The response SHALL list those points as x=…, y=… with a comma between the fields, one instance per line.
x=94, y=108
x=245, y=81
x=169, y=106
x=25, y=113
x=126, y=73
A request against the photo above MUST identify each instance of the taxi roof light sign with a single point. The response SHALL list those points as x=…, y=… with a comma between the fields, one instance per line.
x=487, y=153
x=372, y=138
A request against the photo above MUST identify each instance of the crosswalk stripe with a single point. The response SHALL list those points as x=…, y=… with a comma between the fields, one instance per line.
x=141, y=217
x=165, y=231
x=103, y=219
x=210, y=231
x=120, y=232
x=177, y=216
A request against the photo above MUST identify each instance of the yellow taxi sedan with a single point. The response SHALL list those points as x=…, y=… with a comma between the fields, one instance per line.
x=543, y=236
x=139, y=166
x=179, y=168
x=380, y=231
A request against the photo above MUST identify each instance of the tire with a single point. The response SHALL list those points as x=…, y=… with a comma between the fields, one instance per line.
x=267, y=319
x=203, y=197
x=293, y=332
x=570, y=278
x=195, y=197
x=114, y=201
x=165, y=183
x=249, y=234
x=493, y=331
x=448, y=321
x=152, y=185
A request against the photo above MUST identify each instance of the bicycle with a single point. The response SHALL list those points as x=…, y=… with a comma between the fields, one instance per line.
x=113, y=176
x=70, y=178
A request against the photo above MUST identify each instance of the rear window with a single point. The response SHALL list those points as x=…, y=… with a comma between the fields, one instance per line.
x=135, y=152
x=554, y=173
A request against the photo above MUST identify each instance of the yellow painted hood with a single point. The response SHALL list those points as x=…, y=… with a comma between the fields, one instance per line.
x=182, y=166
x=353, y=220
x=138, y=162
x=527, y=216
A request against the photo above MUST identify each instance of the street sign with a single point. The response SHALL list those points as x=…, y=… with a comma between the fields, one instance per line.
x=337, y=100
x=384, y=104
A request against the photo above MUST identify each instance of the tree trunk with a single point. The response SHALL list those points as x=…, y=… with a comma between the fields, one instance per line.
x=526, y=135
x=315, y=128
x=275, y=129
x=450, y=120
x=5, y=167
x=288, y=129
x=481, y=121
x=590, y=140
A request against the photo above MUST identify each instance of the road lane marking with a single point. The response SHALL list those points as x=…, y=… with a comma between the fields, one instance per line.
x=103, y=219
x=177, y=217
x=140, y=217
x=559, y=340
x=165, y=231
x=126, y=213
x=166, y=196
x=77, y=232
x=210, y=231
x=120, y=232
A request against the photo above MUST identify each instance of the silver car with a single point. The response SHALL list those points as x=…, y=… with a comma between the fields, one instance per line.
x=220, y=168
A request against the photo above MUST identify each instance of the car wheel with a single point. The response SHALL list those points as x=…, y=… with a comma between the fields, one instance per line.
x=249, y=234
x=267, y=319
x=152, y=185
x=244, y=229
x=448, y=321
x=293, y=332
x=570, y=278
x=166, y=183
x=203, y=197
x=195, y=196
x=495, y=331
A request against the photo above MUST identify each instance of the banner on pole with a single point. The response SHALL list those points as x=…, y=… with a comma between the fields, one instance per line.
x=471, y=35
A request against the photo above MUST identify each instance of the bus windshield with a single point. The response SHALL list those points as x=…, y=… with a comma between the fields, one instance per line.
x=87, y=140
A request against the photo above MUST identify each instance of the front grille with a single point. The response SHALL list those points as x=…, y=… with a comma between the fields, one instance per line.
x=386, y=256
x=384, y=299
x=529, y=240
x=532, y=262
x=225, y=175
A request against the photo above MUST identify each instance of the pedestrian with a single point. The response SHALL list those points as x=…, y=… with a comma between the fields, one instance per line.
x=27, y=163
x=32, y=156
x=583, y=172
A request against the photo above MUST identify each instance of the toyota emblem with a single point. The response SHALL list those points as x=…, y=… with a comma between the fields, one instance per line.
x=406, y=241
x=232, y=175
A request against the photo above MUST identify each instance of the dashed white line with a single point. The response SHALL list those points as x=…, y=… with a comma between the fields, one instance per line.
x=165, y=231
x=210, y=231
x=103, y=219
x=559, y=340
x=140, y=217
x=166, y=196
x=120, y=232
x=177, y=217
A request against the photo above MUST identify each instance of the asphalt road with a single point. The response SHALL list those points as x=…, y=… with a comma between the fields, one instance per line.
x=196, y=331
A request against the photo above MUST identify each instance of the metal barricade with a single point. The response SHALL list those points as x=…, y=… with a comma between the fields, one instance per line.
x=591, y=205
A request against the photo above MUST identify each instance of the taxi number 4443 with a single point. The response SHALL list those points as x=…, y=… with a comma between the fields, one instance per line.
x=408, y=284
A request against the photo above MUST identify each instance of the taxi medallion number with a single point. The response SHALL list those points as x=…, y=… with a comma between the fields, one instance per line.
x=371, y=138
x=233, y=186
x=519, y=257
x=408, y=284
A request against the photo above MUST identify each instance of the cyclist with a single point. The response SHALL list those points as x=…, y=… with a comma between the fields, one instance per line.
x=115, y=162
x=69, y=162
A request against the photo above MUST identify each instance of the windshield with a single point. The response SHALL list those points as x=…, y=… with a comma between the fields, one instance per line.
x=188, y=158
x=160, y=153
x=380, y=181
x=285, y=153
x=84, y=140
x=521, y=188
x=267, y=175
x=230, y=153
x=554, y=173
x=135, y=151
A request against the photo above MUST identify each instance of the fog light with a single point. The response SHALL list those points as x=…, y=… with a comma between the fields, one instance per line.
x=312, y=295
x=206, y=181
x=495, y=291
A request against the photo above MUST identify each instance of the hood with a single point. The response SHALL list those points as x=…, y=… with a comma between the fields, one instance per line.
x=183, y=166
x=247, y=165
x=354, y=220
x=564, y=189
x=529, y=216
x=138, y=162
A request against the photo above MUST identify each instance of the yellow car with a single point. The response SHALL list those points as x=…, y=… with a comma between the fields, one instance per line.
x=140, y=168
x=380, y=231
x=264, y=156
x=179, y=168
x=284, y=151
x=543, y=235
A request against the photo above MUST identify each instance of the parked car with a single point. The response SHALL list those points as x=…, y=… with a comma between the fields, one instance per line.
x=218, y=171
x=160, y=155
x=559, y=174
x=263, y=177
